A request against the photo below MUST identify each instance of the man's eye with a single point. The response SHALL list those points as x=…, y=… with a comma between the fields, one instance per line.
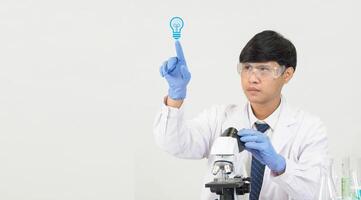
x=264, y=69
x=247, y=67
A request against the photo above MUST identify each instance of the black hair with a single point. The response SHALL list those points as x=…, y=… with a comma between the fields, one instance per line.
x=267, y=46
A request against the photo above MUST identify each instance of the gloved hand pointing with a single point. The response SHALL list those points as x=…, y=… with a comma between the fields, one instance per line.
x=175, y=71
x=261, y=147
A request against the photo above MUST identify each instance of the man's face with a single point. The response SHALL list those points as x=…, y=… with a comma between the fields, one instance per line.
x=263, y=82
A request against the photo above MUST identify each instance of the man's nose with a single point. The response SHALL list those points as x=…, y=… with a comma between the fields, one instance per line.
x=253, y=77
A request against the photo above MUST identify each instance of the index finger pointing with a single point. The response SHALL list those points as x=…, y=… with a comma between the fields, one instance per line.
x=179, y=50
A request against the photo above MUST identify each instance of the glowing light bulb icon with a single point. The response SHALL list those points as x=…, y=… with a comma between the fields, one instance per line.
x=176, y=24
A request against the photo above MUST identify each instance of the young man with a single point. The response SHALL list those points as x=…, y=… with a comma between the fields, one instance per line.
x=285, y=146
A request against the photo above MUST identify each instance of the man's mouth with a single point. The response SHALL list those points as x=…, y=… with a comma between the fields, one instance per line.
x=252, y=89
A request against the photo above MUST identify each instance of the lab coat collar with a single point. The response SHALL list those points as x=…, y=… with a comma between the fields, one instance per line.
x=270, y=120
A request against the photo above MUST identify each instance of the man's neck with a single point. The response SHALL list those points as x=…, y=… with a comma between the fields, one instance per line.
x=262, y=111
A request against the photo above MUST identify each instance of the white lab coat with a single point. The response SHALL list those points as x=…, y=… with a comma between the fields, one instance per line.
x=299, y=137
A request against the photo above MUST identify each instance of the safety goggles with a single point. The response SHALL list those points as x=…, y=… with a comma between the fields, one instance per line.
x=261, y=71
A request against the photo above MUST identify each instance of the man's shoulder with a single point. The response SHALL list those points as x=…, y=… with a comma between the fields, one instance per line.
x=226, y=109
x=303, y=116
x=308, y=127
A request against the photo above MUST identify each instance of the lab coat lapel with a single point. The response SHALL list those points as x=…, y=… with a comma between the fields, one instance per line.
x=284, y=129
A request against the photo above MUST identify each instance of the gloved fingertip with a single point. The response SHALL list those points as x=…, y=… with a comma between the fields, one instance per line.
x=243, y=132
x=240, y=131
x=179, y=50
x=250, y=145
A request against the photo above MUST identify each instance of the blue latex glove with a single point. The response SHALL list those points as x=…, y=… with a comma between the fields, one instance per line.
x=175, y=71
x=261, y=148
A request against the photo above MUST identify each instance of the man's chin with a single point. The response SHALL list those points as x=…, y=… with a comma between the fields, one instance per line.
x=255, y=99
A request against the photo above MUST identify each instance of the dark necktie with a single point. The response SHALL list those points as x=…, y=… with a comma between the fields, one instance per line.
x=257, y=169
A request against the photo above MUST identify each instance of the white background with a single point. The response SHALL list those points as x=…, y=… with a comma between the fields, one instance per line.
x=80, y=87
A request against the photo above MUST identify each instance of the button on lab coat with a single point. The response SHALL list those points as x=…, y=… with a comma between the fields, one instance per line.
x=299, y=137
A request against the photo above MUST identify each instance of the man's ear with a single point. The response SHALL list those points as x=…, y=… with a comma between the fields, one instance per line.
x=288, y=74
